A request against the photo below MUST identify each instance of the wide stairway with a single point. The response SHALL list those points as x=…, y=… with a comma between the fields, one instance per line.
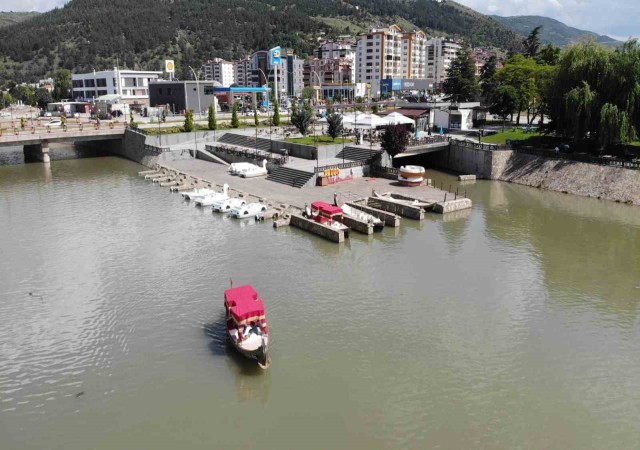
x=357, y=154
x=246, y=141
x=290, y=176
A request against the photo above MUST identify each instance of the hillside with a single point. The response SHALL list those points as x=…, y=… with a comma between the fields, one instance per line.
x=553, y=31
x=10, y=18
x=88, y=34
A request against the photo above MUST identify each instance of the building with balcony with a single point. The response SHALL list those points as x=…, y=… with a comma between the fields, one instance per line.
x=290, y=73
x=242, y=72
x=131, y=85
x=221, y=71
x=389, y=53
x=440, y=52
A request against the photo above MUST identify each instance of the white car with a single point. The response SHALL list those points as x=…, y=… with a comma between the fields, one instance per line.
x=55, y=123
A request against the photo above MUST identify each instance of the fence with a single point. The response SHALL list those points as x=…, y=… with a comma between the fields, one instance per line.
x=413, y=142
x=346, y=165
x=247, y=153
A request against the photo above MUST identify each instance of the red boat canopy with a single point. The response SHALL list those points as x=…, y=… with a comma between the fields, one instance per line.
x=244, y=304
x=326, y=208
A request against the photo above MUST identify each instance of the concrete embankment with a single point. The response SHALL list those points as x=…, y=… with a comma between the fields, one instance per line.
x=571, y=177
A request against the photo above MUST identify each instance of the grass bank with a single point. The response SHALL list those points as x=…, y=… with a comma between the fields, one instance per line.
x=321, y=140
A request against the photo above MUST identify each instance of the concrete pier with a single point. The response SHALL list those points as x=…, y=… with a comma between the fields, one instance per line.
x=314, y=227
x=452, y=205
x=412, y=212
x=389, y=219
x=38, y=152
x=357, y=225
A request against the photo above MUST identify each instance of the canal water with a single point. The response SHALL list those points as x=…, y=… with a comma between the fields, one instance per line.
x=514, y=325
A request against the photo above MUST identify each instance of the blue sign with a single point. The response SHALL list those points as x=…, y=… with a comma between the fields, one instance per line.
x=274, y=56
x=389, y=85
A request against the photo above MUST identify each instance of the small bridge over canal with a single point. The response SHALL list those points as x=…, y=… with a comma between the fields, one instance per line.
x=36, y=139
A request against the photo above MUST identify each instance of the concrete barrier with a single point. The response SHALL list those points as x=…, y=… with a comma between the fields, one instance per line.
x=314, y=227
x=412, y=212
x=452, y=205
x=390, y=219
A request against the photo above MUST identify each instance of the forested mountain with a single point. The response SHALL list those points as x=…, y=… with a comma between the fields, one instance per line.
x=9, y=18
x=553, y=31
x=96, y=34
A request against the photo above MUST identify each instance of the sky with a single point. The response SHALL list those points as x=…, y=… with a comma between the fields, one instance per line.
x=615, y=18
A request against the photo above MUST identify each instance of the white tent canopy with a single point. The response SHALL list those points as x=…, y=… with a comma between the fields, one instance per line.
x=396, y=118
x=369, y=121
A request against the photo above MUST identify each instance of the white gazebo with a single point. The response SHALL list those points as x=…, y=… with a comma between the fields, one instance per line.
x=396, y=118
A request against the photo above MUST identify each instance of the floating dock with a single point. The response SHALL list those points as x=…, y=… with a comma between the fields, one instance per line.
x=395, y=207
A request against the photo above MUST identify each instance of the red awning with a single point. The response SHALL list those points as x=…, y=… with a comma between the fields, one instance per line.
x=326, y=208
x=244, y=304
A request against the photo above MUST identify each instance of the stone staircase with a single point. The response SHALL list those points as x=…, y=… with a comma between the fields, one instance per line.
x=246, y=141
x=290, y=176
x=357, y=154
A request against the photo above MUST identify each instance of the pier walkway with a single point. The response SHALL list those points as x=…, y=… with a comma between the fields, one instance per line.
x=280, y=193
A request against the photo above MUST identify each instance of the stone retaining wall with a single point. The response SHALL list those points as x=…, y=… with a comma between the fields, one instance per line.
x=571, y=177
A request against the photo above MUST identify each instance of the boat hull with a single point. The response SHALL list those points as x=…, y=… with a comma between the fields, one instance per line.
x=260, y=354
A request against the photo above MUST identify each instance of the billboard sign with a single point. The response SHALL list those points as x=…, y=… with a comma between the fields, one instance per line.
x=275, y=56
x=169, y=66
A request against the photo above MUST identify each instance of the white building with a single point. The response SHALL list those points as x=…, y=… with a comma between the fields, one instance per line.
x=131, y=85
x=221, y=71
x=337, y=50
x=242, y=72
x=440, y=52
x=389, y=53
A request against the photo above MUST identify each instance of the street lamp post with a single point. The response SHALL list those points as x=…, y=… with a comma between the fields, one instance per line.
x=195, y=75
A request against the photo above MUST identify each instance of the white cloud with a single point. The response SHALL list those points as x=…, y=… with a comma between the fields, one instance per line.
x=614, y=18
x=30, y=5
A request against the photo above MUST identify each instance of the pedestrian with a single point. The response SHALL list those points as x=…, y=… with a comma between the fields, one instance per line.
x=335, y=199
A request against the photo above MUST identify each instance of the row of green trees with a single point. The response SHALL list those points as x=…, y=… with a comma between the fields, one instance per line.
x=589, y=92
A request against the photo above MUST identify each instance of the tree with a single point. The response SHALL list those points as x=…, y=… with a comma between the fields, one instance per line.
x=615, y=127
x=211, y=118
x=23, y=93
x=61, y=84
x=276, y=114
x=188, y=121
x=6, y=99
x=294, y=110
x=43, y=97
x=505, y=102
x=549, y=55
x=303, y=120
x=395, y=139
x=374, y=108
x=235, y=123
x=256, y=120
x=307, y=93
x=462, y=84
x=335, y=127
x=531, y=43
x=488, y=82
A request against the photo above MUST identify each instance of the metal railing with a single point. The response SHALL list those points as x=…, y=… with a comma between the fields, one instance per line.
x=517, y=147
x=248, y=153
x=345, y=165
x=427, y=140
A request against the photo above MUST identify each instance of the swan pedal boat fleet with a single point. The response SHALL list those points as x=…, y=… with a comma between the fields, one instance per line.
x=411, y=175
x=210, y=199
x=246, y=324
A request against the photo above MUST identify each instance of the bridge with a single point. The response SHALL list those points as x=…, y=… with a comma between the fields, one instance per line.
x=421, y=146
x=36, y=139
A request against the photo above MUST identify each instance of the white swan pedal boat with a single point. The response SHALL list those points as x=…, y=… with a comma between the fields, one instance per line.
x=210, y=199
x=255, y=171
x=378, y=225
x=248, y=210
x=236, y=168
x=226, y=205
x=197, y=192
x=246, y=324
x=411, y=175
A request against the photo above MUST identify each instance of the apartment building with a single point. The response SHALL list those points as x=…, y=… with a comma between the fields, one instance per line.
x=389, y=53
x=290, y=72
x=131, y=85
x=221, y=71
x=242, y=72
x=440, y=52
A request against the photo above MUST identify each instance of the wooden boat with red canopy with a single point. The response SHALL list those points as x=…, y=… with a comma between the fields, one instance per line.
x=324, y=213
x=247, y=324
